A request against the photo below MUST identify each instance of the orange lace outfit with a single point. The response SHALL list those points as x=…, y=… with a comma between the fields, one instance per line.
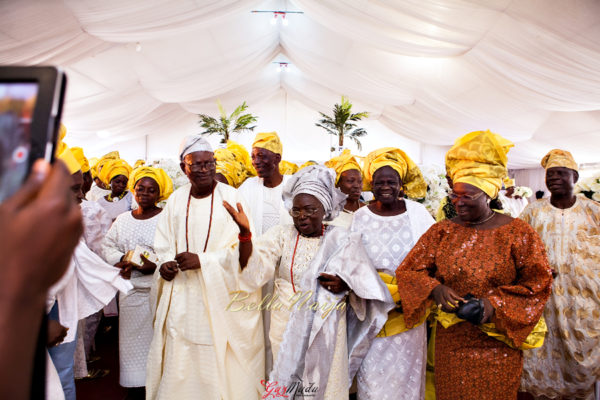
x=507, y=265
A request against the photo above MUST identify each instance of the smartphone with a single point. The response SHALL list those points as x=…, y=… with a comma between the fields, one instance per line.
x=31, y=103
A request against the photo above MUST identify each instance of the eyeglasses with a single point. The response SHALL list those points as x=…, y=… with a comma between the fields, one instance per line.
x=200, y=166
x=453, y=196
x=307, y=212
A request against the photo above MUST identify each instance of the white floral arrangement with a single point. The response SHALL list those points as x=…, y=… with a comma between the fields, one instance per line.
x=589, y=187
x=437, y=187
x=171, y=167
x=523, y=191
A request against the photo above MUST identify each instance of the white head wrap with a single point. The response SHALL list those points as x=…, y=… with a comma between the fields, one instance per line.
x=193, y=143
x=318, y=181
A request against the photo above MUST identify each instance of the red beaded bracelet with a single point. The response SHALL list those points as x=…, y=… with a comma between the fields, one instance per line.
x=244, y=239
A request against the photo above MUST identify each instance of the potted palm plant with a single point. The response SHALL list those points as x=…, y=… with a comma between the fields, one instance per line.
x=341, y=124
x=225, y=125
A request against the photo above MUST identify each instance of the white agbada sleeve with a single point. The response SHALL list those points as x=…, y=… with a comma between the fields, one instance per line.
x=96, y=223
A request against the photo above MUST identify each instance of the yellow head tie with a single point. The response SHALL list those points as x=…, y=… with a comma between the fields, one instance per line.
x=230, y=167
x=269, y=141
x=559, y=158
x=306, y=164
x=69, y=159
x=165, y=184
x=508, y=182
x=413, y=182
x=287, y=168
x=479, y=159
x=139, y=163
x=113, y=155
x=342, y=163
x=112, y=169
x=83, y=162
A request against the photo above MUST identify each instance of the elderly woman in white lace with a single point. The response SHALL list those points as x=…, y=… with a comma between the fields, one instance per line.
x=394, y=367
x=318, y=343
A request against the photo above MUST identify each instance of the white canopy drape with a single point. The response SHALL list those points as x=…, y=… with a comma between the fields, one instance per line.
x=427, y=71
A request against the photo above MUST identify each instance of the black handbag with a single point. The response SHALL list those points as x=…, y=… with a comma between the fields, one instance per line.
x=471, y=310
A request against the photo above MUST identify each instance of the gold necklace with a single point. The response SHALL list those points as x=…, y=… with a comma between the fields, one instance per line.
x=481, y=222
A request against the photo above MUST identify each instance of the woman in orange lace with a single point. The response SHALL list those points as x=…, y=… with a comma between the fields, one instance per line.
x=499, y=260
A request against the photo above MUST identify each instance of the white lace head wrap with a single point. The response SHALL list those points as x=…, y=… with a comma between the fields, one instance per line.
x=318, y=181
x=193, y=143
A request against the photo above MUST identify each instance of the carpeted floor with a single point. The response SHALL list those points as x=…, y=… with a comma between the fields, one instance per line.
x=107, y=348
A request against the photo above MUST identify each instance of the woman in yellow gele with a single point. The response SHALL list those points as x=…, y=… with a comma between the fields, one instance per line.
x=487, y=273
x=130, y=231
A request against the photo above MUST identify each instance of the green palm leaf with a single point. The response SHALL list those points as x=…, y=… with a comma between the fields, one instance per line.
x=225, y=125
x=339, y=124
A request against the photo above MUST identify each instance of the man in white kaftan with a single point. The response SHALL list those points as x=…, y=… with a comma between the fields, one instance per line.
x=263, y=194
x=200, y=350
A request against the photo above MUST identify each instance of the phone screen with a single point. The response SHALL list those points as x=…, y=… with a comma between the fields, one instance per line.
x=17, y=103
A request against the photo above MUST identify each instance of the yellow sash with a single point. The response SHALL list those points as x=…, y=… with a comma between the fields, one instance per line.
x=534, y=339
x=395, y=323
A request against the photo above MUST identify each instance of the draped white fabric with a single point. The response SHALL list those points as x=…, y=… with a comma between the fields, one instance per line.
x=427, y=71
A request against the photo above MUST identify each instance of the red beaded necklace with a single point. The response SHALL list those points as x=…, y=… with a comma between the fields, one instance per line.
x=187, y=214
x=294, y=255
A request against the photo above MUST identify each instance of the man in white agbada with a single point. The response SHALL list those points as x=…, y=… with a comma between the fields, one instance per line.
x=265, y=205
x=318, y=343
x=199, y=350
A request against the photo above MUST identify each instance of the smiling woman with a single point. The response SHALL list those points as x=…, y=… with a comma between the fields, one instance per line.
x=390, y=226
x=321, y=264
x=496, y=261
x=131, y=231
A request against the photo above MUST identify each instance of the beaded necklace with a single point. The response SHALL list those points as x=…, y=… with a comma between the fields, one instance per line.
x=112, y=199
x=294, y=255
x=187, y=215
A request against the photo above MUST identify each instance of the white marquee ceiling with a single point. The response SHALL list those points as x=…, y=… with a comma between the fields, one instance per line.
x=429, y=71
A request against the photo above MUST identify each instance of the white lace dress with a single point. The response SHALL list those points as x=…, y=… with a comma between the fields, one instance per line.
x=135, y=316
x=394, y=367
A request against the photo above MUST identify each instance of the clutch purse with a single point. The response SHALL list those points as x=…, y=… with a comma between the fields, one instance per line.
x=471, y=310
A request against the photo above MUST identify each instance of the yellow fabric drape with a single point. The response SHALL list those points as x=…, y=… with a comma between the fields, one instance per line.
x=413, y=183
x=269, y=141
x=534, y=340
x=165, y=184
x=113, y=168
x=395, y=323
x=344, y=162
x=559, y=158
x=479, y=159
